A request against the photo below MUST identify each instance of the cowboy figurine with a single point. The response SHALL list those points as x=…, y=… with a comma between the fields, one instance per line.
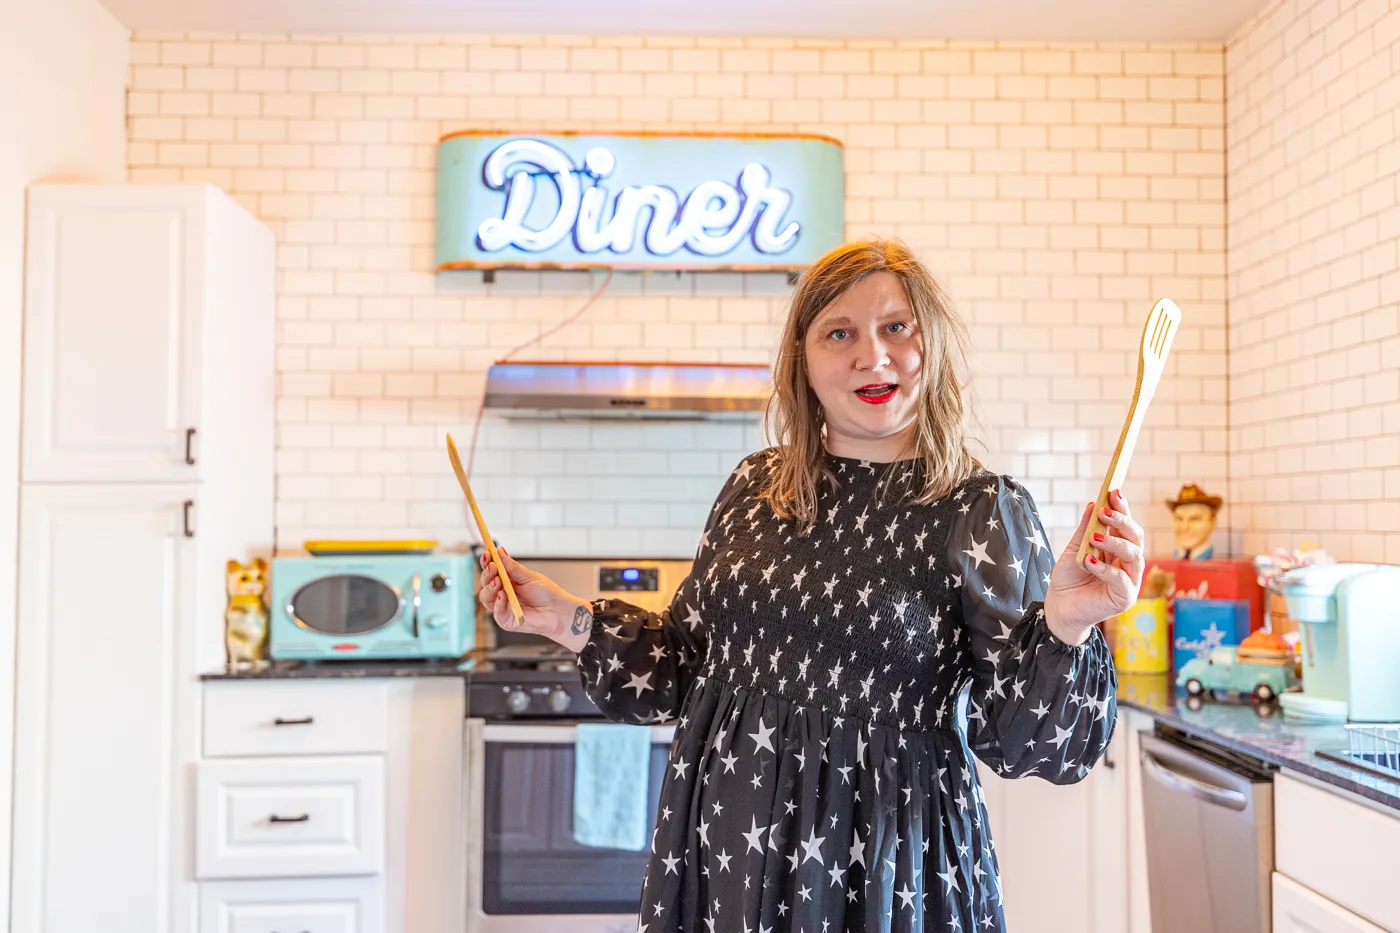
x=1194, y=517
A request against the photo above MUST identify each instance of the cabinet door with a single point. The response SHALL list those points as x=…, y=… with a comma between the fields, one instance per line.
x=1299, y=910
x=1132, y=724
x=1065, y=845
x=104, y=731
x=1041, y=834
x=1108, y=836
x=112, y=333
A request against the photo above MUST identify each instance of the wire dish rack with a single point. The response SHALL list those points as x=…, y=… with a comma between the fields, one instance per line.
x=1372, y=747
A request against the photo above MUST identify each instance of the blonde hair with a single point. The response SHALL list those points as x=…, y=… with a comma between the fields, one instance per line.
x=795, y=419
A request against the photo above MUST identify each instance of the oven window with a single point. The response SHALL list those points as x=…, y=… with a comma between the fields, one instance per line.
x=530, y=861
x=345, y=604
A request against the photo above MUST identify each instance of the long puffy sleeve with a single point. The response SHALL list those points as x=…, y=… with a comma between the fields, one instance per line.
x=1036, y=706
x=638, y=666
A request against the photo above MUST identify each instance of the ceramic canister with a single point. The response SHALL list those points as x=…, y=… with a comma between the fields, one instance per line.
x=1141, y=646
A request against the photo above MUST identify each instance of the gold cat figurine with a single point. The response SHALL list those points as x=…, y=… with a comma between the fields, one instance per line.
x=246, y=618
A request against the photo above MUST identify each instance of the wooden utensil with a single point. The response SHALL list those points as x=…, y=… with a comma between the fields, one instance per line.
x=1157, y=335
x=485, y=532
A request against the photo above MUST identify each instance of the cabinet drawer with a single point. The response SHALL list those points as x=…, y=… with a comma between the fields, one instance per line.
x=1298, y=910
x=1339, y=847
x=334, y=905
x=283, y=817
x=303, y=718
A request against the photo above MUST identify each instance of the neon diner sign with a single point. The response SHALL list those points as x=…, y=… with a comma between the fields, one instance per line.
x=638, y=201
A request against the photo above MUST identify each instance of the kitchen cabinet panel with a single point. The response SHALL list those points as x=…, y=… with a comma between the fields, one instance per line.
x=1299, y=910
x=293, y=906
x=306, y=718
x=1078, y=847
x=149, y=310
x=105, y=608
x=1041, y=832
x=1339, y=846
x=148, y=335
x=274, y=817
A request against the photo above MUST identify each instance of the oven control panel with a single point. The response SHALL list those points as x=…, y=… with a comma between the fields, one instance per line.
x=528, y=695
x=628, y=580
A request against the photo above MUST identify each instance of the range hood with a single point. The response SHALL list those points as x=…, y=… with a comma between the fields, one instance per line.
x=628, y=390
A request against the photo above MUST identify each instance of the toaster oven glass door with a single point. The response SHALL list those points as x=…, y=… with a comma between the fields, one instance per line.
x=346, y=604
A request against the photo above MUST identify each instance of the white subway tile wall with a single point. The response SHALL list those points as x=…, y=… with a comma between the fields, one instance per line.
x=1314, y=278
x=1057, y=190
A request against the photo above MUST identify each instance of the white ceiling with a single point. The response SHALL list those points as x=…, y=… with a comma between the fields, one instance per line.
x=1122, y=20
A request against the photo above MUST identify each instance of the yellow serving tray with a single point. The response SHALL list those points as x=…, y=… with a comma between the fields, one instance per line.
x=330, y=548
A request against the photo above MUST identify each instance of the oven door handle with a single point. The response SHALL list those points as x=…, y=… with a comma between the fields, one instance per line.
x=512, y=734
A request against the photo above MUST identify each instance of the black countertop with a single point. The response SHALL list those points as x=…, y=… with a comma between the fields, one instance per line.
x=1261, y=732
x=328, y=670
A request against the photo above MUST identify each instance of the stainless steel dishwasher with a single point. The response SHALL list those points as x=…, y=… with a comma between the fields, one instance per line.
x=1209, y=825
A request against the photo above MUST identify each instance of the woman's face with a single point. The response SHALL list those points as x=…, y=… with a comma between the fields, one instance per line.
x=864, y=355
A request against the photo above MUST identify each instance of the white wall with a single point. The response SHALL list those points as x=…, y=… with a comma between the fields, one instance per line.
x=1314, y=256
x=1059, y=191
x=62, y=106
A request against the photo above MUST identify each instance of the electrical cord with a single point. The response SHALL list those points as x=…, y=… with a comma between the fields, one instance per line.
x=481, y=406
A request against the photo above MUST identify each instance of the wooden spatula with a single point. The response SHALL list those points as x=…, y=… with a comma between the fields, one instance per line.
x=485, y=533
x=1157, y=336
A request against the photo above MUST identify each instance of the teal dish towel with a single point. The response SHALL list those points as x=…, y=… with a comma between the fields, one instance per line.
x=612, y=764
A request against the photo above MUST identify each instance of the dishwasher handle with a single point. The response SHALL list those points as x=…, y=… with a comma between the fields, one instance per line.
x=1209, y=793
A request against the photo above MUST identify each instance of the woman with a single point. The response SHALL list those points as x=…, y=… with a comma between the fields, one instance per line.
x=850, y=582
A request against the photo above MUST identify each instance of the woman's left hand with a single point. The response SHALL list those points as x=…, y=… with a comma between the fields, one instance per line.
x=1082, y=596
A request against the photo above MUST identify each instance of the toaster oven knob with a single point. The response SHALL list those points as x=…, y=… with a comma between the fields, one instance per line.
x=518, y=700
x=440, y=583
x=435, y=622
x=558, y=700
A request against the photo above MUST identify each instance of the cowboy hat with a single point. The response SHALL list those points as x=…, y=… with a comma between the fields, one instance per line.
x=1191, y=494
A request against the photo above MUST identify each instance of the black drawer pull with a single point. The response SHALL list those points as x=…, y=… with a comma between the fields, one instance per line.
x=304, y=721
x=189, y=446
x=289, y=819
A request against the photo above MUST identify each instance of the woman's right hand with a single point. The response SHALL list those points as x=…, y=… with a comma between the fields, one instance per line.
x=549, y=609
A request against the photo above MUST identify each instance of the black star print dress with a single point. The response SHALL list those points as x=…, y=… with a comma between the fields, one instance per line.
x=820, y=779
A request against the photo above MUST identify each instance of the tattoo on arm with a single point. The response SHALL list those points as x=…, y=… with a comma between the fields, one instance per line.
x=583, y=620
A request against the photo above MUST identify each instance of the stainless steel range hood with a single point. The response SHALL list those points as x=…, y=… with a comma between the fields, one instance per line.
x=628, y=390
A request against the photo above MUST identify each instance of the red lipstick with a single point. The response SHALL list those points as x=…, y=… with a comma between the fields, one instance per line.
x=876, y=393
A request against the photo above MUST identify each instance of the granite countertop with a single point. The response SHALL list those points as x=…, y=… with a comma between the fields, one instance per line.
x=1263, y=733
x=326, y=670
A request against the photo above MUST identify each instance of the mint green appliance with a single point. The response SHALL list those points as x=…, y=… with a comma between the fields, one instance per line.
x=1349, y=619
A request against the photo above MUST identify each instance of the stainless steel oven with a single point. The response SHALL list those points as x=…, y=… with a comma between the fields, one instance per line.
x=525, y=871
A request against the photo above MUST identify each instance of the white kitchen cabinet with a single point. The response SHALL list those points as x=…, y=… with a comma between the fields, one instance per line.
x=1072, y=857
x=1298, y=910
x=1131, y=725
x=306, y=717
x=309, y=816
x=384, y=806
x=1340, y=846
x=148, y=310
x=1041, y=832
x=1108, y=865
x=104, y=605
x=148, y=334
x=331, y=905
